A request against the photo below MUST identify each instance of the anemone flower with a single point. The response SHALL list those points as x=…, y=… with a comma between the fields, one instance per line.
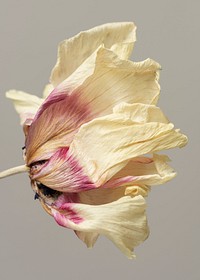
x=91, y=141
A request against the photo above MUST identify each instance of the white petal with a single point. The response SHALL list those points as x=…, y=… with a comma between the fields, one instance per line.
x=25, y=104
x=118, y=37
x=122, y=221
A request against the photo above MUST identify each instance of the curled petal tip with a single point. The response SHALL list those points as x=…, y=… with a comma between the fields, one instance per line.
x=14, y=170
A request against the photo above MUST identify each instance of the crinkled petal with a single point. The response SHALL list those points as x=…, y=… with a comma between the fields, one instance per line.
x=119, y=37
x=54, y=125
x=113, y=81
x=62, y=172
x=105, y=145
x=122, y=221
x=105, y=80
x=141, y=113
x=156, y=171
x=25, y=104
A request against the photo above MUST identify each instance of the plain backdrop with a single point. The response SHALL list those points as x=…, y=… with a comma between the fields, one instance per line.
x=32, y=245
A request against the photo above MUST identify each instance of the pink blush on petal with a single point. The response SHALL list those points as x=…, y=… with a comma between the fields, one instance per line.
x=66, y=198
x=60, y=219
x=66, y=213
x=64, y=173
x=119, y=182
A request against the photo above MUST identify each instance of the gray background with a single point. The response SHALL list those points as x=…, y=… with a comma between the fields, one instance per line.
x=32, y=246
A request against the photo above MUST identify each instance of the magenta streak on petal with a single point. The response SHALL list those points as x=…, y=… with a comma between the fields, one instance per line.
x=64, y=173
x=66, y=198
x=60, y=219
x=67, y=213
x=72, y=215
x=119, y=182
x=51, y=99
x=57, y=121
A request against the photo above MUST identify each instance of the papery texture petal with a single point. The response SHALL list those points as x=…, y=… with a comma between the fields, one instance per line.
x=25, y=104
x=155, y=172
x=141, y=113
x=62, y=172
x=107, y=80
x=54, y=125
x=122, y=221
x=118, y=37
x=89, y=238
x=113, y=81
x=105, y=145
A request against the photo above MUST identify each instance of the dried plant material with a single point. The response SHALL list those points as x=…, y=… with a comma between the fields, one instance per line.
x=91, y=141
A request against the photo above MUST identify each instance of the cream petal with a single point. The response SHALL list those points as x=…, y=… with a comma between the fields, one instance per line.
x=105, y=80
x=89, y=238
x=137, y=190
x=14, y=170
x=105, y=145
x=126, y=81
x=119, y=37
x=155, y=172
x=47, y=90
x=115, y=81
x=107, y=195
x=141, y=113
x=77, y=78
x=25, y=104
x=122, y=221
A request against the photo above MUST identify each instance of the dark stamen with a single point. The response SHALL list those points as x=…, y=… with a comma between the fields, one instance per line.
x=40, y=162
x=46, y=191
x=36, y=196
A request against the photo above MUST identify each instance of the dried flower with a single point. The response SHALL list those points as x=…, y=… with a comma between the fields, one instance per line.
x=91, y=141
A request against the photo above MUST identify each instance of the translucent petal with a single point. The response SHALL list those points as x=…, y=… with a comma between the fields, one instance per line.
x=89, y=238
x=118, y=37
x=25, y=104
x=104, y=81
x=122, y=221
x=155, y=172
x=113, y=81
x=105, y=145
x=47, y=90
x=141, y=113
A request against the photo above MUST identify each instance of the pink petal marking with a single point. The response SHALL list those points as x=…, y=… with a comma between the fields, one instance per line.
x=125, y=179
x=57, y=120
x=63, y=172
x=66, y=198
x=119, y=182
x=65, y=213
